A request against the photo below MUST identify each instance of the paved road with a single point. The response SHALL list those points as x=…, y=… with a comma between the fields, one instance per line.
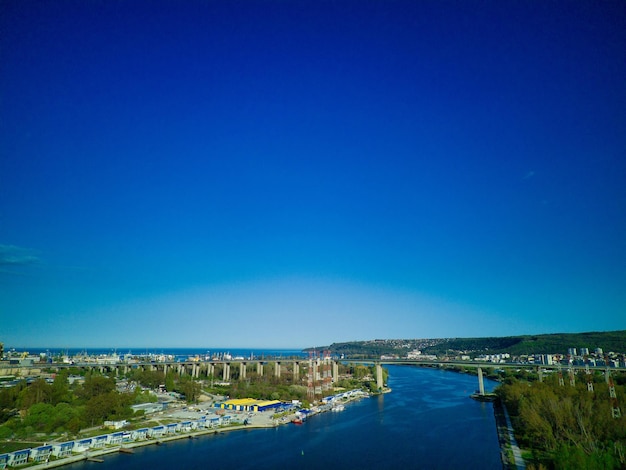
x=517, y=454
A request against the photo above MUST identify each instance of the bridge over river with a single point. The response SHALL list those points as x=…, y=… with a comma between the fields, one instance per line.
x=330, y=366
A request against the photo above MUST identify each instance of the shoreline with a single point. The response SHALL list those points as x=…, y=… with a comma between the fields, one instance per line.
x=506, y=439
x=93, y=454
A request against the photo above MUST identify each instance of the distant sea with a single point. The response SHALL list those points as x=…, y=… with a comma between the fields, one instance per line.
x=178, y=353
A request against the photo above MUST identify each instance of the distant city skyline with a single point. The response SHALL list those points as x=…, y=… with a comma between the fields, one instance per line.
x=290, y=174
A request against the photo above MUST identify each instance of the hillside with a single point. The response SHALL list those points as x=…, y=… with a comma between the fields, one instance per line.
x=614, y=341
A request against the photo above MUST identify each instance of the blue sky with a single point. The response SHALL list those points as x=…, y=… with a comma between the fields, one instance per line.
x=291, y=174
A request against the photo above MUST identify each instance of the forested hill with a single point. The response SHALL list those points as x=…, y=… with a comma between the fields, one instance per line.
x=527, y=344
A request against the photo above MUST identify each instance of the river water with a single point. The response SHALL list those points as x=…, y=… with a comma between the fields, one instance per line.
x=426, y=422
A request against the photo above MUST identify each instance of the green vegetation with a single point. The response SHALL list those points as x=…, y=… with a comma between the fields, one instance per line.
x=40, y=410
x=45, y=409
x=364, y=349
x=286, y=388
x=536, y=344
x=567, y=427
x=516, y=345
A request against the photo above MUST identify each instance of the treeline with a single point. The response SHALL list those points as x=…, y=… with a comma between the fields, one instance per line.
x=535, y=344
x=57, y=408
x=363, y=349
x=516, y=345
x=285, y=388
x=492, y=345
x=567, y=426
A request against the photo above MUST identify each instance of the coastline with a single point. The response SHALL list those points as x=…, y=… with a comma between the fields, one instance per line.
x=128, y=446
x=93, y=454
x=509, y=451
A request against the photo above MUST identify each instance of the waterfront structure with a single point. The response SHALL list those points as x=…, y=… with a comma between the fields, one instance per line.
x=115, y=438
x=63, y=449
x=139, y=434
x=99, y=442
x=157, y=431
x=19, y=457
x=249, y=404
x=40, y=454
x=82, y=445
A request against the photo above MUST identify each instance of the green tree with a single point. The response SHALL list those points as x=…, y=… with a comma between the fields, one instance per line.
x=101, y=407
x=60, y=392
x=96, y=385
x=37, y=392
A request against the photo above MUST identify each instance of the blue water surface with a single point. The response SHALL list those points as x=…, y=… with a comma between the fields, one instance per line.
x=428, y=421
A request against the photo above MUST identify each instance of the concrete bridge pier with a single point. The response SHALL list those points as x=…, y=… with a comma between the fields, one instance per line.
x=379, y=376
x=335, y=371
x=226, y=372
x=296, y=370
x=259, y=368
x=481, y=382
x=540, y=374
x=277, y=369
x=242, y=370
x=165, y=366
x=210, y=370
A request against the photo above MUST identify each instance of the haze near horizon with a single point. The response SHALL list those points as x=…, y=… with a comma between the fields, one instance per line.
x=291, y=174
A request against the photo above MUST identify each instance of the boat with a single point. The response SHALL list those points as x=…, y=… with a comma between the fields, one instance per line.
x=297, y=421
x=338, y=408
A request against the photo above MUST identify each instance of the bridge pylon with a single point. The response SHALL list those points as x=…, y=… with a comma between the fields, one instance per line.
x=379, y=376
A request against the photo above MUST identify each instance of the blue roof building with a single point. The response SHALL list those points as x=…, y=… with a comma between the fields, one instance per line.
x=63, y=450
x=19, y=457
x=41, y=454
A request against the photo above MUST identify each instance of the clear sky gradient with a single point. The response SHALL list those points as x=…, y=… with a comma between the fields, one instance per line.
x=295, y=173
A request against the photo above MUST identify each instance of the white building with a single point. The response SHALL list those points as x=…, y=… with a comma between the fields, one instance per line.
x=63, y=449
x=99, y=442
x=41, y=454
x=139, y=434
x=19, y=457
x=115, y=439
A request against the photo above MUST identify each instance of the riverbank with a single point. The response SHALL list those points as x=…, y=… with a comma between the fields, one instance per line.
x=263, y=421
x=509, y=451
x=129, y=446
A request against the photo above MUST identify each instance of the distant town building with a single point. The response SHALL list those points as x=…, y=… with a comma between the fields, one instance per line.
x=584, y=351
x=546, y=359
x=599, y=351
x=571, y=352
x=414, y=354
